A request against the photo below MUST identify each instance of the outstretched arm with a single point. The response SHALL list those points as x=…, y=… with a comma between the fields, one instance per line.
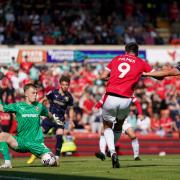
x=163, y=73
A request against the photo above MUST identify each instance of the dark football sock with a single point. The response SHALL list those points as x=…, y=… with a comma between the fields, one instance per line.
x=59, y=142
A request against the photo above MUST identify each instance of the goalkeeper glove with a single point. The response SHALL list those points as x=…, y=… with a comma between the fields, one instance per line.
x=57, y=120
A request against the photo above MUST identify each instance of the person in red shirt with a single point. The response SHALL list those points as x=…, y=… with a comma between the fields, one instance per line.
x=174, y=11
x=167, y=124
x=155, y=123
x=127, y=128
x=26, y=64
x=123, y=73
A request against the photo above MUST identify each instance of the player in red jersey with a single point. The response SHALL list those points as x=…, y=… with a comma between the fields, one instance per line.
x=127, y=128
x=123, y=72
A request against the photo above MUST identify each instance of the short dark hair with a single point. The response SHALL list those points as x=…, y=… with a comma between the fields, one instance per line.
x=132, y=47
x=64, y=78
x=29, y=85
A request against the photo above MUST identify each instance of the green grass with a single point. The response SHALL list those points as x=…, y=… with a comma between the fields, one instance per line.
x=90, y=168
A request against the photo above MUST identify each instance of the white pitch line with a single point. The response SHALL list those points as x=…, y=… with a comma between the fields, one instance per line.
x=17, y=178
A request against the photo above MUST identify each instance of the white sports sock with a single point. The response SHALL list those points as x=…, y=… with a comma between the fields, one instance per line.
x=135, y=146
x=117, y=135
x=102, y=144
x=8, y=162
x=109, y=136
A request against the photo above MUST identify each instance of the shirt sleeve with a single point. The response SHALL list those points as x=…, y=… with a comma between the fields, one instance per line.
x=44, y=111
x=50, y=95
x=10, y=108
x=138, y=106
x=147, y=67
x=109, y=66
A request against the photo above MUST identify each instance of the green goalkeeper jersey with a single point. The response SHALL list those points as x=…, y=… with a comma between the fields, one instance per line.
x=28, y=119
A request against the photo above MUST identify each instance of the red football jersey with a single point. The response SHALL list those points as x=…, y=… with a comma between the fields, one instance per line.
x=125, y=71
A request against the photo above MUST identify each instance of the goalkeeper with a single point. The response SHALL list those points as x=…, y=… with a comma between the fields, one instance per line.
x=29, y=137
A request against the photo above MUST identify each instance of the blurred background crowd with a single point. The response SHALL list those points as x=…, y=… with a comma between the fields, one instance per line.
x=159, y=100
x=89, y=22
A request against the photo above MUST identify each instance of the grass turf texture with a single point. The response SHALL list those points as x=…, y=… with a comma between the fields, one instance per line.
x=91, y=168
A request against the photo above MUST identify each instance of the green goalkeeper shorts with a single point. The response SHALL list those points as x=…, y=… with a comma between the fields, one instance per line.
x=36, y=148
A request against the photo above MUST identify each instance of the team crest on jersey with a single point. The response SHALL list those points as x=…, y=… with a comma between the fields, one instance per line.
x=66, y=98
x=37, y=108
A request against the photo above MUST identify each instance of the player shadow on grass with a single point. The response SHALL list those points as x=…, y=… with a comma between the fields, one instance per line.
x=146, y=165
x=18, y=175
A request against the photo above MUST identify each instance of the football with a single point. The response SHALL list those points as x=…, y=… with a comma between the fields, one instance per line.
x=48, y=159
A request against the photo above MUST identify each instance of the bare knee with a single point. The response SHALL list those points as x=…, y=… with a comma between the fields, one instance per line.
x=59, y=131
x=9, y=139
x=130, y=133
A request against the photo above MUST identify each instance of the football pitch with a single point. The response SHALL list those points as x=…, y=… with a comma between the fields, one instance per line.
x=90, y=168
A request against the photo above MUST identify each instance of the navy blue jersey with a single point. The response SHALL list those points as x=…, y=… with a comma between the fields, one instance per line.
x=59, y=103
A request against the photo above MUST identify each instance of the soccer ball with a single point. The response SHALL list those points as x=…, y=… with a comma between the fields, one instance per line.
x=48, y=159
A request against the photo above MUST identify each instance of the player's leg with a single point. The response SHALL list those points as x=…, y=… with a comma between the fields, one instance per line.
x=134, y=141
x=39, y=149
x=109, y=136
x=109, y=112
x=5, y=140
x=31, y=159
x=122, y=113
x=59, y=142
x=102, y=146
x=46, y=126
x=117, y=130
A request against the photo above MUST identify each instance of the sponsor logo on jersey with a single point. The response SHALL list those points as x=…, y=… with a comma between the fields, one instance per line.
x=58, y=102
x=29, y=115
x=66, y=98
x=56, y=96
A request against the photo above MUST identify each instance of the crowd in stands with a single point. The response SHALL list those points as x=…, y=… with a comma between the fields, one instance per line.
x=160, y=100
x=87, y=22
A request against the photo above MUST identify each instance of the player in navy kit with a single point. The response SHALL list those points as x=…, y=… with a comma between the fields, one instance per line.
x=60, y=100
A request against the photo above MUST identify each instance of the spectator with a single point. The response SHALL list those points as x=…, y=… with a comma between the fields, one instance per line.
x=166, y=122
x=144, y=126
x=62, y=25
x=96, y=121
x=132, y=119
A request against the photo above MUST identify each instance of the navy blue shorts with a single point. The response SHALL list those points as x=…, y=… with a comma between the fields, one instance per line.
x=48, y=124
x=178, y=124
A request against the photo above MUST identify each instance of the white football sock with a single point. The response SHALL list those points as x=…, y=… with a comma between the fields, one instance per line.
x=7, y=161
x=135, y=146
x=102, y=144
x=109, y=136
